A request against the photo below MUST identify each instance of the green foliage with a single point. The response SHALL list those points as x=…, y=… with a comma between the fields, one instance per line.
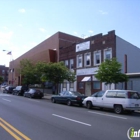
x=1, y=80
x=110, y=72
x=42, y=72
x=27, y=71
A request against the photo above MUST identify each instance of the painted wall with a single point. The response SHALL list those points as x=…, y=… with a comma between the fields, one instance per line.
x=133, y=55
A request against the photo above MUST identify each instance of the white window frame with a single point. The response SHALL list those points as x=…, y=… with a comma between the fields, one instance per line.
x=85, y=59
x=66, y=63
x=97, y=53
x=71, y=63
x=81, y=56
x=109, y=50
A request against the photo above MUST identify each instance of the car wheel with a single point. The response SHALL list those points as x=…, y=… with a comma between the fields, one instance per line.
x=69, y=103
x=118, y=109
x=53, y=100
x=89, y=105
x=30, y=96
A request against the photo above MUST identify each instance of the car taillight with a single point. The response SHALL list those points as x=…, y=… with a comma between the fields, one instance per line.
x=78, y=98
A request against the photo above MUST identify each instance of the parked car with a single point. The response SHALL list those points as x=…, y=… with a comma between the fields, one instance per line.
x=33, y=93
x=8, y=89
x=69, y=98
x=19, y=90
x=119, y=100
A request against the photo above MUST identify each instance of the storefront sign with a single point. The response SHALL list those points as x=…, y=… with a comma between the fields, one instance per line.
x=83, y=46
x=86, y=71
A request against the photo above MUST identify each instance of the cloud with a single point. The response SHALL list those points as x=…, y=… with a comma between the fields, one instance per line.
x=75, y=33
x=42, y=29
x=103, y=12
x=22, y=10
x=5, y=37
x=90, y=31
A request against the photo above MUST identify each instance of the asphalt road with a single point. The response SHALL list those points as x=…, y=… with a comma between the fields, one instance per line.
x=38, y=119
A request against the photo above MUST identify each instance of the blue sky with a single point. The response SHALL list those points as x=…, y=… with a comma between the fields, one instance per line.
x=26, y=23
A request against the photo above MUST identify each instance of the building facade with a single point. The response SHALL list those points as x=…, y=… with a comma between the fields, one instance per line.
x=86, y=56
x=82, y=56
x=4, y=71
x=47, y=51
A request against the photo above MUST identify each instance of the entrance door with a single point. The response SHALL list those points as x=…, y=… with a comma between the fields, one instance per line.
x=87, y=88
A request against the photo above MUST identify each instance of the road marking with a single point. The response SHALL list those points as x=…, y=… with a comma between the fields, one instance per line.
x=14, y=129
x=6, y=100
x=10, y=132
x=71, y=120
x=33, y=100
x=107, y=115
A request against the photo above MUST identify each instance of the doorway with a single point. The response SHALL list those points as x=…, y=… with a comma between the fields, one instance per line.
x=88, y=88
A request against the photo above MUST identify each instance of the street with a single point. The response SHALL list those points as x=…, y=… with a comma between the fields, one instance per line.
x=38, y=119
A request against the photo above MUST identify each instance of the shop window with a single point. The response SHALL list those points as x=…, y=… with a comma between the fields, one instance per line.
x=96, y=85
x=79, y=61
x=97, y=57
x=108, y=53
x=87, y=59
x=71, y=63
x=81, y=85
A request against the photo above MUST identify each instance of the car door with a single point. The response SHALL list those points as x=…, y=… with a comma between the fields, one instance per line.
x=98, y=99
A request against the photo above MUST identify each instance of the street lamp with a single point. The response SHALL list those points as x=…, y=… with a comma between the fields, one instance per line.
x=12, y=65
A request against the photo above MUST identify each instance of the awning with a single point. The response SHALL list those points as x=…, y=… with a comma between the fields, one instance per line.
x=86, y=79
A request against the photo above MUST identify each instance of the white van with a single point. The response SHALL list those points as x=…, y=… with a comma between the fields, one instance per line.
x=119, y=100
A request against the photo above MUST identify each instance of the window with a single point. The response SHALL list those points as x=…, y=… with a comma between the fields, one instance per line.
x=79, y=61
x=92, y=42
x=66, y=63
x=97, y=57
x=111, y=94
x=103, y=42
x=121, y=94
x=71, y=85
x=96, y=84
x=87, y=59
x=108, y=53
x=71, y=63
x=100, y=94
x=81, y=85
x=133, y=95
x=64, y=85
x=3, y=71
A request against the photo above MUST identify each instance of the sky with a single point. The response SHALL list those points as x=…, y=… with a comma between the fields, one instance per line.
x=26, y=23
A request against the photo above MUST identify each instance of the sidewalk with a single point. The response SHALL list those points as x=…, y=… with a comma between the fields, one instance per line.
x=47, y=96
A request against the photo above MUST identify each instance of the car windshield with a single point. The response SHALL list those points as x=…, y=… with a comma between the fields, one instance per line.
x=75, y=93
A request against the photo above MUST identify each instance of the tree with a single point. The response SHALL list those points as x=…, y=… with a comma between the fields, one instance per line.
x=1, y=79
x=110, y=72
x=27, y=71
x=58, y=72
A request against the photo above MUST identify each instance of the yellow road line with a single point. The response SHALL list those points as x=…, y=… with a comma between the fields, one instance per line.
x=14, y=129
x=10, y=132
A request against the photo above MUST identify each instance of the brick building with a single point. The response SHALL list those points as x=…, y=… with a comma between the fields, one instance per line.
x=84, y=57
x=4, y=73
x=47, y=51
x=91, y=52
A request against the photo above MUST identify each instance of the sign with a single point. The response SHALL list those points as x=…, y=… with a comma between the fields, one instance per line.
x=86, y=71
x=83, y=46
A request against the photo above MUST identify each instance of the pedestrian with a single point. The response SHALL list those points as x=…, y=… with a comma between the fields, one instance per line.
x=53, y=89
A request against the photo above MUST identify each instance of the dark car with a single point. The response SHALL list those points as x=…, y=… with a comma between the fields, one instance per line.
x=33, y=93
x=19, y=90
x=8, y=89
x=69, y=98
